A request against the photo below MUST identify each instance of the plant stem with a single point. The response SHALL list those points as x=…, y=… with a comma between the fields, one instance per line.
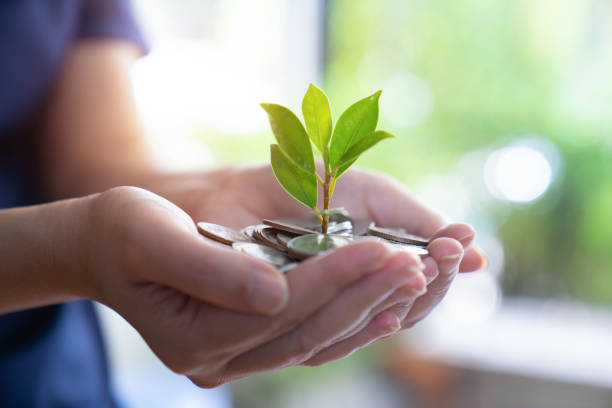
x=326, y=197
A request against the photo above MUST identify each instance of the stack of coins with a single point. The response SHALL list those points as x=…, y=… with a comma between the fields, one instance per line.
x=284, y=243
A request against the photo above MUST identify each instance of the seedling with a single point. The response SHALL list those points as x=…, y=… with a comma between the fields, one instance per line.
x=293, y=160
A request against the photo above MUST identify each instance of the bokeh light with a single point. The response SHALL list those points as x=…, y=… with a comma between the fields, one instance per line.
x=517, y=173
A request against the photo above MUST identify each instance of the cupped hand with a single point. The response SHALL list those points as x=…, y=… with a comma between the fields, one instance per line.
x=250, y=194
x=181, y=291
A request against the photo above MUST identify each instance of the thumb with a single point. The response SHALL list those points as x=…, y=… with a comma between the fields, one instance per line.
x=221, y=276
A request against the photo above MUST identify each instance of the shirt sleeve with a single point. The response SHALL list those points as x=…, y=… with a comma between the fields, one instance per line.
x=112, y=19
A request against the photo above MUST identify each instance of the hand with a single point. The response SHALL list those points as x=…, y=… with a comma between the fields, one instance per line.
x=250, y=194
x=148, y=263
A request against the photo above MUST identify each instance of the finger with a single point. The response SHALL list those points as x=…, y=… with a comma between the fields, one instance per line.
x=383, y=325
x=224, y=334
x=216, y=274
x=332, y=322
x=473, y=260
x=312, y=284
x=400, y=302
x=464, y=233
x=447, y=253
x=431, y=269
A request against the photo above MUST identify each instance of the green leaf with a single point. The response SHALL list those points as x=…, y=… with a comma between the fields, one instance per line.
x=362, y=145
x=357, y=121
x=344, y=168
x=290, y=135
x=296, y=181
x=317, y=115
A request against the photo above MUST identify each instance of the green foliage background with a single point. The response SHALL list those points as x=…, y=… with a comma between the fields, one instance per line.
x=499, y=70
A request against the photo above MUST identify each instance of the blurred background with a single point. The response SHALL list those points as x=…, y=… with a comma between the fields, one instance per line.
x=503, y=118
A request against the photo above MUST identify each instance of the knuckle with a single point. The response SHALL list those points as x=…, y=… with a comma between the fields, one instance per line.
x=242, y=289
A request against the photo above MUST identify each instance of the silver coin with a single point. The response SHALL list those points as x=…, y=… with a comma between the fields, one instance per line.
x=265, y=253
x=360, y=227
x=220, y=233
x=344, y=227
x=397, y=235
x=340, y=217
x=305, y=246
x=249, y=231
x=288, y=267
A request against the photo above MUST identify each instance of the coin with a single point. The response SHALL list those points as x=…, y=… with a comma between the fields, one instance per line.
x=249, y=231
x=288, y=267
x=415, y=249
x=397, y=235
x=340, y=228
x=221, y=234
x=264, y=253
x=284, y=237
x=360, y=227
x=269, y=236
x=340, y=217
x=289, y=227
x=280, y=242
x=305, y=246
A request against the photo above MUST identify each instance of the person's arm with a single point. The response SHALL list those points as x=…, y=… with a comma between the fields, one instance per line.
x=56, y=252
x=93, y=141
x=91, y=136
x=40, y=257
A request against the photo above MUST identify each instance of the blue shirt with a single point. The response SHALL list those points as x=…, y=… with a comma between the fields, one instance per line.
x=51, y=356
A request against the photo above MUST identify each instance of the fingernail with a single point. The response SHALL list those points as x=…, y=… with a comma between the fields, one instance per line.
x=466, y=238
x=429, y=276
x=483, y=257
x=452, y=257
x=267, y=293
x=391, y=328
x=390, y=324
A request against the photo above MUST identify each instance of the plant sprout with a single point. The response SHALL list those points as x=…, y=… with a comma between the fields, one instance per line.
x=293, y=160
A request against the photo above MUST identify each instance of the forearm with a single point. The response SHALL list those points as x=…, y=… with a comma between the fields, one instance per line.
x=41, y=253
x=92, y=138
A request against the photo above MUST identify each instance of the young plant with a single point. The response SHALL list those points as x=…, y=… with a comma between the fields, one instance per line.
x=293, y=160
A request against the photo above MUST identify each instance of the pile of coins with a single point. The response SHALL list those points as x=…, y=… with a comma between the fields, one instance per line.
x=285, y=242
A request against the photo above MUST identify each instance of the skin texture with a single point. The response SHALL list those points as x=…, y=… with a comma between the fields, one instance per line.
x=207, y=311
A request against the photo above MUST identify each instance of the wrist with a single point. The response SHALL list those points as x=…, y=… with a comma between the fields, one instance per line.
x=41, y=253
